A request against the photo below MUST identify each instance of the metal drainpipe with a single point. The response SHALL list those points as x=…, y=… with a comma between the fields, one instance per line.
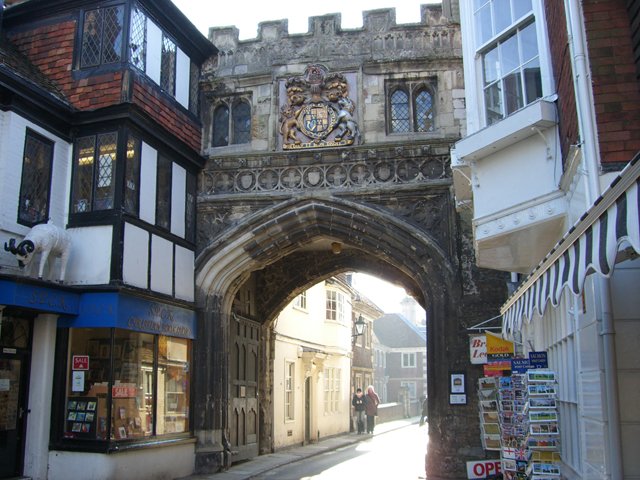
x=588, y=134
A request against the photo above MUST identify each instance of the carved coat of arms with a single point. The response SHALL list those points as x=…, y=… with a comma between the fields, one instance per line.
x=318, y=112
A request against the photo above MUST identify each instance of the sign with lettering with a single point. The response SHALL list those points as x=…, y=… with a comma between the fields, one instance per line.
x=520, y=365
x=538, y=360
x=481, y=469
x=478, y=349
x=81, y=362
x=498, y=348
x=123, y=391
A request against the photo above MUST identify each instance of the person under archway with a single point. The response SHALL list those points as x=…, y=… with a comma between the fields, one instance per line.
x=371, y=403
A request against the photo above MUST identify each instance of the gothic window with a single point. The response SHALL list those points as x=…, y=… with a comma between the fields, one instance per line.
x=220, y=126
x=102, y=36
x=231, y=126
x=93, y=172
x=163, y=192
x=35, y=185
x=410, y=108
x=400, y=111
x=168, y=65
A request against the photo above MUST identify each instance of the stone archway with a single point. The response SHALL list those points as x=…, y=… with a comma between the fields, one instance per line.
x=266, y=248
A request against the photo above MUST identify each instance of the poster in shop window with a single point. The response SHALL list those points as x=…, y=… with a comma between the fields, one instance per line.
x=80, y=417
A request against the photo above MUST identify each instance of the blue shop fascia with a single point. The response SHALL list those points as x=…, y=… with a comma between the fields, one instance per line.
x=119, y=365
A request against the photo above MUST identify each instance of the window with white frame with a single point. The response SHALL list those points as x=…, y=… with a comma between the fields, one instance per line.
x=301, y=301
x=411, y=388
x=289, y=376
x=409, y=360
x=331, y=390
x=505, y=32
x=335, y=306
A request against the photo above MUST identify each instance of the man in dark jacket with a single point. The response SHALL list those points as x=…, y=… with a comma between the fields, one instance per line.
x=358, y=404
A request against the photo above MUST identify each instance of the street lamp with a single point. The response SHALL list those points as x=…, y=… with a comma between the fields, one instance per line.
x=359, y=324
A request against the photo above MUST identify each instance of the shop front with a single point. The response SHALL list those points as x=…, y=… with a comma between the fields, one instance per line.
x=93, y=380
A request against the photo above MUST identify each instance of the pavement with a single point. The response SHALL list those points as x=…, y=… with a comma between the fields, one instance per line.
x=264, y=463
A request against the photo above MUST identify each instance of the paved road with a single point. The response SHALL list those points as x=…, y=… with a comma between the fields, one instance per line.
x=396, y=455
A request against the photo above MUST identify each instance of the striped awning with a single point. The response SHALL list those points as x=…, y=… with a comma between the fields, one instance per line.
x=590, y=246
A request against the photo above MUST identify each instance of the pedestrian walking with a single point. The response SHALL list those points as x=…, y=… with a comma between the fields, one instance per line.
x=358, y=404
x=371, y=403
x=425, y=411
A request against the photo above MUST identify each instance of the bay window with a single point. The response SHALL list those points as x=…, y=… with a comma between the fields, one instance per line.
x=94, y=172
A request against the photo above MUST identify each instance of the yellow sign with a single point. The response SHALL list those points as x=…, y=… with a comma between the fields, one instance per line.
x=498, y=346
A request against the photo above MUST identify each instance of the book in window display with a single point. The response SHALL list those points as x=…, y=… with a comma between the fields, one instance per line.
x=81, y=417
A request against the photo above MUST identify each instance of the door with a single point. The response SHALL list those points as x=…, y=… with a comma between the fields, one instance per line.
x=15, y=339
x=307, y=410
x=244, y=353
x=12, y=413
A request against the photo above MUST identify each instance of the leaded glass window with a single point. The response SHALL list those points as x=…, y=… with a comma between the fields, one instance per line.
x=138, y=40
x=423, y=111
x=163, y=192
x=132, y=176
x=220, y=135
x=35, y=184
x=102, y=36
x=411, y=107
x=94, y=172
x=399, y=111
x=168, y=65
x=241, y=122
x=194, y=78
x=190, y=208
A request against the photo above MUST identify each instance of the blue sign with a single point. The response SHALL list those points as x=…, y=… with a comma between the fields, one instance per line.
x=107, y=310
x=538, y=360
x=520, y=365
x=40, y=298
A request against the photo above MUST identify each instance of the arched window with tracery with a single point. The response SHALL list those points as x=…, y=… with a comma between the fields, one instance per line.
x=410, y=108
x=231, y=123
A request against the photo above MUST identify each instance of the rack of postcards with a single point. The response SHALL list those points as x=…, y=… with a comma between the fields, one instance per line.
x=543, y=441
x=488, y=410
x=514, y=426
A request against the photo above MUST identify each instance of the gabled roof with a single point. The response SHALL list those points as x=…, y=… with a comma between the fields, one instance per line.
x=395, y=331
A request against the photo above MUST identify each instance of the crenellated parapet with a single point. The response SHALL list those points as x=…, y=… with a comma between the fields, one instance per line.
x=381, y=38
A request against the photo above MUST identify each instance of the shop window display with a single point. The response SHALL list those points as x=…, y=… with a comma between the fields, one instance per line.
x=125, y=385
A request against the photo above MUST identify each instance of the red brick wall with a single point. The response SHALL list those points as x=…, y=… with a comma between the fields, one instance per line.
x=50, y=48
x=149, y=97
x=562, y=73
x=616, y=90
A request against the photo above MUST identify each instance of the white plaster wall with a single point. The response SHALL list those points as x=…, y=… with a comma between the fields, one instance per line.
x=158, y=463
x=161, y=265
x=135, y=262
x=183, y=71
x=40, y=391
x=90, y=259
x=287, y=352
x=13, y=129
x=148, y=174
x=626, y=311
x=514, y=175
x=154, y=51
x=178, y=200
x=185, y=274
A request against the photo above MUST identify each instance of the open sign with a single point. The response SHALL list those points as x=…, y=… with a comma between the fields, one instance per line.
x=481, y=469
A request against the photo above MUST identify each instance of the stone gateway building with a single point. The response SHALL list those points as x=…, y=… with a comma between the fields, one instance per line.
x=331, y=137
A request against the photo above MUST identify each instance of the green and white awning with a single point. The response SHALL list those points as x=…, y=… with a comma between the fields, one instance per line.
x=590, y=246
